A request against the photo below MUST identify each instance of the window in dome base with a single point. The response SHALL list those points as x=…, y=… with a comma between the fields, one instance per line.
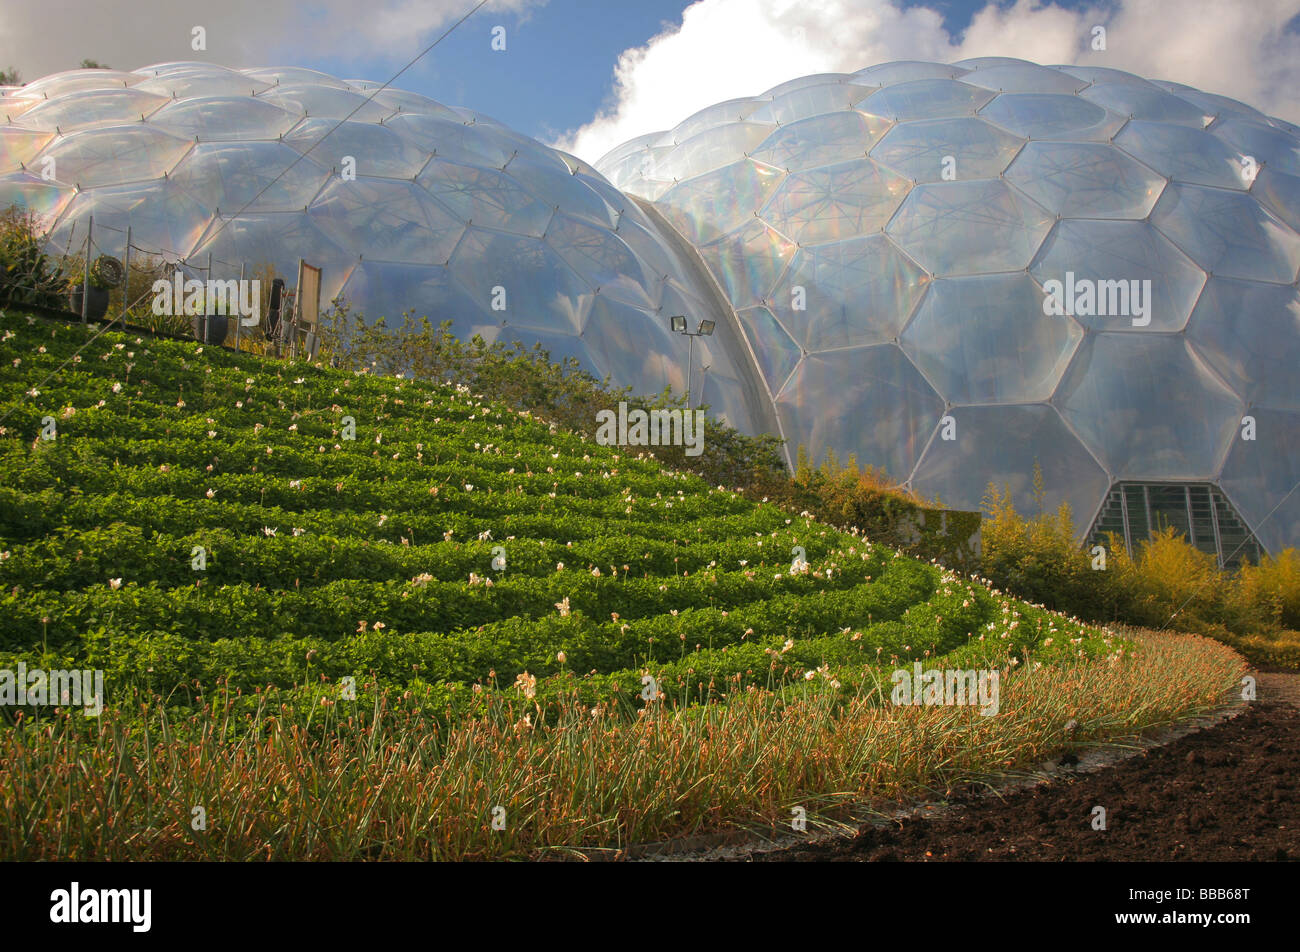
x=1199, y=512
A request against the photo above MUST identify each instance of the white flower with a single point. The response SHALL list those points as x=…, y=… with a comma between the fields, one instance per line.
x=268, y=531
x=560, y=657
x=115, y=583
x=211, y=493
x=117, y=388
x=297, y=532
x=563, y=606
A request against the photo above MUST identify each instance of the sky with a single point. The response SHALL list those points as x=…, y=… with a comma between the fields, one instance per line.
x=585, y=75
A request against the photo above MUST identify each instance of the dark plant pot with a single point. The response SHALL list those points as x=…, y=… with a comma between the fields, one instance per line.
x=218, y=325
x=96, y=307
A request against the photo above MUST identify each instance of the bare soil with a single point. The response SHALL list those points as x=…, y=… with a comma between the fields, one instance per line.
x=1226, y=792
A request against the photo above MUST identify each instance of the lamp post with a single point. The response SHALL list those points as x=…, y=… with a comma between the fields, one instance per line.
x=678, y=323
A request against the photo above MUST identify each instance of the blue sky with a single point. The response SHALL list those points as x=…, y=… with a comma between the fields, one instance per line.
x=558, y=67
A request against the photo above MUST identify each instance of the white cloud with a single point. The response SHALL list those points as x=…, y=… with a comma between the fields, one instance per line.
x=724, y=49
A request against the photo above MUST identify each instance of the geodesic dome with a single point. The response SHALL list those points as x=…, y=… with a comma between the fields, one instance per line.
x=446, y=206
x=886, y=237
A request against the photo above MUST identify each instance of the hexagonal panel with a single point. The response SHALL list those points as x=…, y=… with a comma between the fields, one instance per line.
x=1104, y=74
x=1096, y=263
x=278, y=240
x=1184, y=154
x=1280, y=194
x=217, y=119
x=451, y=140
x=712, y=149
x=19, y=146
x=967, y=227
x=79, y=80
x=87, y=109
x=282, y=75
x=228, y=176
x=552, y=184
x=32, y=195
x=868, y=401
x=835, y=201
x=815, y=100
x=1250, y=333
x=852, y=293
x=1268, y=145
x=114, y=155
x=927, y=99
x=1148, y=407
x=985, y=339
x=1052, y=116
x=748, y=262
x=1002, y=445
x=1023, y=78
x=540, y=289
x=603, y=260
x=821, y=140
x=1228, y=233
x=161, y=216
x=324, y=102
x=1211, y=104
x=375, y=150
x=485, y=197
x=1144, y=102
x=971, y=147
x=710, y=117
x=1260, y=477
x=906, y=71
x=708, y=206
x=630, y=344
x=201, y=83
x=774, y=349
x=390, y=290
x=1085, y=180
x=392, y=221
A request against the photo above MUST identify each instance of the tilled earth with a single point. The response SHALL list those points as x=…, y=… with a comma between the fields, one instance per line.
x=1228, y=792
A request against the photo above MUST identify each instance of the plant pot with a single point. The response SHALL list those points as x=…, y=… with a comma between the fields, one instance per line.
x=96, y=307
x=217, y=327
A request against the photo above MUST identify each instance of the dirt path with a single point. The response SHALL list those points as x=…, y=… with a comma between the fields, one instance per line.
x=1228, y=792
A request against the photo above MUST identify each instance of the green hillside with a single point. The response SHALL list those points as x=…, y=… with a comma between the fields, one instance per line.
x=374, y=555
